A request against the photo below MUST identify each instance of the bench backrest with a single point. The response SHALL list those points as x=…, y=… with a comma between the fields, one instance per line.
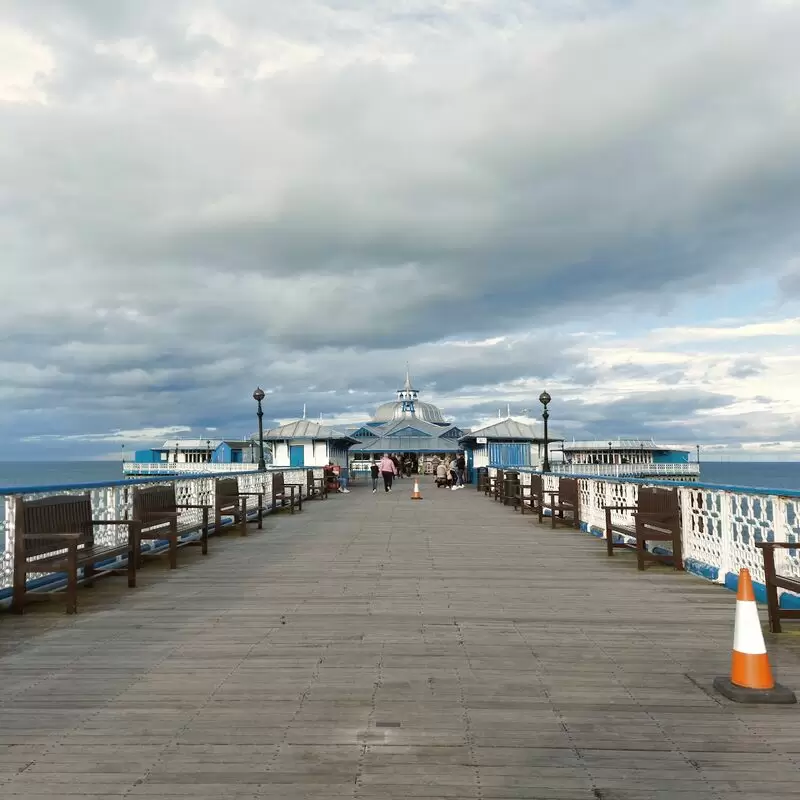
x=568, y=491
x=149, y=501
x=37, y=520
x=310, y=480
x=658, y=500
x=537, y=487
x=226, y=489
x=278, y=484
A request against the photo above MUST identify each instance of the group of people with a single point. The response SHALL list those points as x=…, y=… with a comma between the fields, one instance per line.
x=450, y=473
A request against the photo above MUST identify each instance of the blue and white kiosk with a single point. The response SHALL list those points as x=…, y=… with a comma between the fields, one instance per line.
x=506, y=444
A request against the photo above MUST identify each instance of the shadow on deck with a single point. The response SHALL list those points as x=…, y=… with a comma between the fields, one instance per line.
x=375, y=647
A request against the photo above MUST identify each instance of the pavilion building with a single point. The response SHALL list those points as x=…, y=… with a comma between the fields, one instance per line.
x=407, y=427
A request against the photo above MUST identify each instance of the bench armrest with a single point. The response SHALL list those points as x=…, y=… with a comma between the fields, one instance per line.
x=193, y=505
x=620, y=508
x=783, y=545
x=300, y=485
x=250, y=494
x=113, y=522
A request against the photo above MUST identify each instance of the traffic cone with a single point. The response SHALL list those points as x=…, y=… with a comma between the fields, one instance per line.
x=415, y=495
x=751, y=678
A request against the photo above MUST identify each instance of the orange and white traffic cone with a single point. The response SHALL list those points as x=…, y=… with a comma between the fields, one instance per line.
x=415, y=495
x=751, y=678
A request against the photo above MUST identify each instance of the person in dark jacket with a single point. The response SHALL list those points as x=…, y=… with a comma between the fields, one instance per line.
x=375, y=472
x=461, y=470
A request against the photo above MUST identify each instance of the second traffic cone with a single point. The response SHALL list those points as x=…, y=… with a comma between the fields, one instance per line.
x=415, y=495
x=751, y=678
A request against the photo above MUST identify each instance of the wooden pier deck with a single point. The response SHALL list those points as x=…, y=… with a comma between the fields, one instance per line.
x=375, y=647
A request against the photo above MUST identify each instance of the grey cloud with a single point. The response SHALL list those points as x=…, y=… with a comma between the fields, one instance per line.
x=746, y=368
x=308, y=230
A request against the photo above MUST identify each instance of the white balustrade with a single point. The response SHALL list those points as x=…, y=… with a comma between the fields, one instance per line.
x=684, y=470
x=720, y=525
x=181, y=468
x=114, y=501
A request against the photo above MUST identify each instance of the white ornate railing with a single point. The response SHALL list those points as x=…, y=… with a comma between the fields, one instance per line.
x=720, y=524
x=113, y=501
x=627, y=470
x=171, y=468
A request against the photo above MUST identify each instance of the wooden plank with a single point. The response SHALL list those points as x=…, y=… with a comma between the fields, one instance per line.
x=374, y=647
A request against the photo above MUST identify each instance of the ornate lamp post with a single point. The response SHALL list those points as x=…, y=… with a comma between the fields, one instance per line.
x=544, y=399
x=208, y=446
x=176, y=451
x=258, y=396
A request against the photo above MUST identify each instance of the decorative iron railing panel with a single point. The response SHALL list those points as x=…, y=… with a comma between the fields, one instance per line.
x=720, y=524
x=114, y=501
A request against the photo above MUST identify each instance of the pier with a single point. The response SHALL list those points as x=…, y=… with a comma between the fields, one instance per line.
x=375, y=647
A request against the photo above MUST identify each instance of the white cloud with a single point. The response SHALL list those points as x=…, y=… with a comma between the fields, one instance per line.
x=25, y=63
x=122, y=436
x=749, y=330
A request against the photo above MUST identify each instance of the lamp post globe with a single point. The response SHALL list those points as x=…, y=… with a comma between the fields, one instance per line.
x=258, y=396
x=544, y=399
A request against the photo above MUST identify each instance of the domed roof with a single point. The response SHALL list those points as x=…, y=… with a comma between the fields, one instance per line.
x=427, y=412
x=408, y=405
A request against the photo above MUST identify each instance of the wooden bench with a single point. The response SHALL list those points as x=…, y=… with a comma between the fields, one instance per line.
x=494, y=486
x=56, y=534
x=316, y=487
x=566, y=500
x=657, y=518
x=529, y=496
x=286, y=493
x=158, y=515
x=228, y=500
x=774, y=582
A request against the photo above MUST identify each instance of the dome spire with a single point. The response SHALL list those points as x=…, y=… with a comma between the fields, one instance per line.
x=408, y=395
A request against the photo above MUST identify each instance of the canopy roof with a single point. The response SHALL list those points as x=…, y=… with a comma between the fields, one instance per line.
x=508, y=430
x=306, y=429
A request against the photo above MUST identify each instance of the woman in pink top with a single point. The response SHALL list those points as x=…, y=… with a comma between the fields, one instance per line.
x=388, y=471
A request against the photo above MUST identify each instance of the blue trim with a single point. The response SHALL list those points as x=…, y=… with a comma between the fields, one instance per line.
x=677, y=482
x=701, y=569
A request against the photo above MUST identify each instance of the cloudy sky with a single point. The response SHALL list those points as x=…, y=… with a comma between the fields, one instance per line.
x=597, y=197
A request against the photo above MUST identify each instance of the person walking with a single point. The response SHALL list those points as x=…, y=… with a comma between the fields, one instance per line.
x=461, y=468
x=388, y=470
x=375, y=472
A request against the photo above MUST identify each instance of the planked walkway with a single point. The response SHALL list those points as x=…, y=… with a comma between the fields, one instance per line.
x=373, y=647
